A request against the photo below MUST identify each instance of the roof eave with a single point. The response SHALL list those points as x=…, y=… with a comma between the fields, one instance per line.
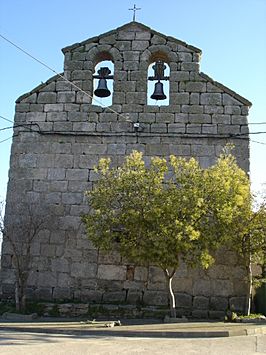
x=109, y=33
x=227, y=90
x=38, y=88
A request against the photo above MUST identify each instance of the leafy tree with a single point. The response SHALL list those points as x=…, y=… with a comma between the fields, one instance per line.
x=165, y=212
x=247, y=238
x=21, y=234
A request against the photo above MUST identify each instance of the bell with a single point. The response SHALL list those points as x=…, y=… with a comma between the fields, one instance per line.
x=102, y=89
x=158, y=92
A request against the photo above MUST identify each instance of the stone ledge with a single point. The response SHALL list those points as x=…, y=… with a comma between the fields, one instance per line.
x=138, y=328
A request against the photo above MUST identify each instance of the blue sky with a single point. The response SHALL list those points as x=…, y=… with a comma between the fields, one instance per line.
x=231, y=34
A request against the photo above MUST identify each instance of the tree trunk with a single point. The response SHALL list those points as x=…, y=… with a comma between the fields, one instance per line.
x=17, y=297
x=264, y=269
x=249, y=289
x=23, y=296
x=169, y=278
x=20, y=296
x=23, y=301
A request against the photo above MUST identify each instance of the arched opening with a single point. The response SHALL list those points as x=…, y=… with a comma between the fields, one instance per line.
x=103, y=83
x=158, y=88
x=158, y=91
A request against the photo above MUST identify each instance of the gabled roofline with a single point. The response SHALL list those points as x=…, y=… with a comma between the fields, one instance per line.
x=39, y=87
x=144, y=27
x=203, y=75
x=227, y=90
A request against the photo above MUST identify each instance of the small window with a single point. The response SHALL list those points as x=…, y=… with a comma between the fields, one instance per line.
x=158, y=88
x=103, y=87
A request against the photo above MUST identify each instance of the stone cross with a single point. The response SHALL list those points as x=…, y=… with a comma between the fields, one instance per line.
x=135, y=9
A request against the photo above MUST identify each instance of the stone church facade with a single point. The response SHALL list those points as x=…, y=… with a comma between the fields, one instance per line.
x=60, y=136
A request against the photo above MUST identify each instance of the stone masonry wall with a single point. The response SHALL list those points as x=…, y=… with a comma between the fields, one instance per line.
x=52, y=162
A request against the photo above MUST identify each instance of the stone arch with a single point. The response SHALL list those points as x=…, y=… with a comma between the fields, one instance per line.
x=158, y=54
x=105, y=53
x=116, y=54
x=103, y=58
x=159, y=49
x=99, y=54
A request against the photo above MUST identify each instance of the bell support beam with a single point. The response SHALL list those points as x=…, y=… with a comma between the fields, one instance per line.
x=159, y=69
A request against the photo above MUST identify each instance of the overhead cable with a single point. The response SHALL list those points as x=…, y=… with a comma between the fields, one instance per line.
x=4, y=140
x=5, y=119
x=85, y=93
x=62, y=76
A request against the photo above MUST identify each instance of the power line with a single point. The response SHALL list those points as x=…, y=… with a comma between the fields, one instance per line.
x=19, y=125
x=25, y=125
x=5, y=119
x=247, y=134
x=254, y=123
x=76, y=86
x=84, y=92
x=83, y=133
x=5, y=128
x=28, y=126
x=257, y=123
x=28, y=54
x=40, y=132
x=4, y=140
x=252, y=140
x=61, y=76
